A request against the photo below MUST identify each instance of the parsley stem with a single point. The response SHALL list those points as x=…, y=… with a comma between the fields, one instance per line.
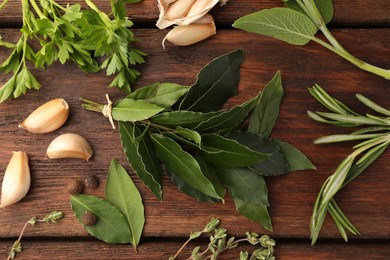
x=36, y=8
x=3, y=4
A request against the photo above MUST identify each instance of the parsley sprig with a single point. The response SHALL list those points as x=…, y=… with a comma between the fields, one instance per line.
x=68, y=33
x=376, y=138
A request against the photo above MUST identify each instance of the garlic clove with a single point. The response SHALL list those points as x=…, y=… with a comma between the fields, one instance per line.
x=184, y=35
x=48, y=117
x=201, y=7
x=178, y=9
x=69, y=146
x=16, y=181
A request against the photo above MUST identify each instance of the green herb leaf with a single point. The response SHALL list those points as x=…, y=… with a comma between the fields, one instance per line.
x=216, y=82
x=325, y=7
x=141, y=155
x=160, y=94
x=226, y=152
x=122, y=193
x=284, y=24
x=266, y=112
x=182, y=164
x=111, y=226
x=134, y=110
x=189, y=134
x=183, y=118
x=257, y=213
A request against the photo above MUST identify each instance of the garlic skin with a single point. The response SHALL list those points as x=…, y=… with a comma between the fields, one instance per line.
x=16, y=181
x=170, y=17
x=48, y=117
x=184, y=35
x=69, y=146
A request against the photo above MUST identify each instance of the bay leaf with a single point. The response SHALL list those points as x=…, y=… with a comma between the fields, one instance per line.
x=216, y=82
x=111, y=226
x=325, y=7
x=296, y=159
x=141, y=155
x=245, y=184
x=183, y=118
x=122, y=193
x=226, y=152
x=257, y=213
x=183, y=164
x=132, y=110
x=281, y=23
x=275, y=164
x=266, y=112
x=161, y=94
x=188, y=134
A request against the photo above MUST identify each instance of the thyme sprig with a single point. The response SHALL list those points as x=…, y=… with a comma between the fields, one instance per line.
x=50, y=218
x=375, y=136
x=219, y=243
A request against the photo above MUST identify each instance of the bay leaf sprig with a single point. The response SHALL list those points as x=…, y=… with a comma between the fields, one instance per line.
x=52, y=32
x=120, y=215
x=205, y=148
x=298, y=23
x=375, y=138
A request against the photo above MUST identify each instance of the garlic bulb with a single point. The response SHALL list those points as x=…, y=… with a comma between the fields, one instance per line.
x=69, y=146
x=16, y=181
x=48, y=117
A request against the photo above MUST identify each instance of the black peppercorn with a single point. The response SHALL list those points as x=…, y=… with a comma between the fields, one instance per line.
x=75, y=187
x=92, y=181
x=89, y=219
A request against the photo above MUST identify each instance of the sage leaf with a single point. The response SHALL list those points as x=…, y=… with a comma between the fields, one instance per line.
x=274, y=164
x=216, y=82
x=188, y=134
x=111, y=226
x=134, y=110
x=183, y=118
x=325, y=7
x=281, y=23
x=161, y=94
x=245, y=184
x=257, y=213
x=225, y=152
x=183, y=164
x=296, y=159
x=122, y=193
x=141, y=155
x=266, y=112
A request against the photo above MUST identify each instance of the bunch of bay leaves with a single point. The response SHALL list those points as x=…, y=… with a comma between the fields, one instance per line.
x=207, y=149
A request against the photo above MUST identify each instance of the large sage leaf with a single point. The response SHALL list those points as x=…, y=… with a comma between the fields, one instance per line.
x=275, y=164
x=266, y=112
x=183, y=164
x=325, y=7
x=183, y=118
x=160, y=94
x=111, y=226
x=245, y=184
x=216, y=82
x=257, y=213
x=133, y=110
x=141, y=155
x=296, y=159
x=225, y=152
x=282, y=23
x=122, y=193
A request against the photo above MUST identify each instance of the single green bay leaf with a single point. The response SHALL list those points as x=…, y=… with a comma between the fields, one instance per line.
x=132, y=110
x=188, y=134
x=141, y=155
x=282, y=23
x=226, y=152
x=266, y=112
x=121, y=192
x=183, y=164
x=182, y=118
x=111, y=226
x=216, y=82
x=257, y=213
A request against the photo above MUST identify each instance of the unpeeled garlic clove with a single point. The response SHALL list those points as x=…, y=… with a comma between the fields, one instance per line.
x=184, y=35
x=48, y=117
x=69, y=146
x=16, y=181
x=178, y=9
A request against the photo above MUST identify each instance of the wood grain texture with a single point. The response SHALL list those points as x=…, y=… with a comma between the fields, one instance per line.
x=347, y=13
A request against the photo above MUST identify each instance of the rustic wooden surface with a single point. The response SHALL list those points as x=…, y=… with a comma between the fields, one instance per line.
x=363, y=27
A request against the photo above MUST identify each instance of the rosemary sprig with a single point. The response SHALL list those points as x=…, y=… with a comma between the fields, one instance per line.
x=376, y=138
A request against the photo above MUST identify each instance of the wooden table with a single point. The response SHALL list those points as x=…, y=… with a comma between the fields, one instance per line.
x=363, y=27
